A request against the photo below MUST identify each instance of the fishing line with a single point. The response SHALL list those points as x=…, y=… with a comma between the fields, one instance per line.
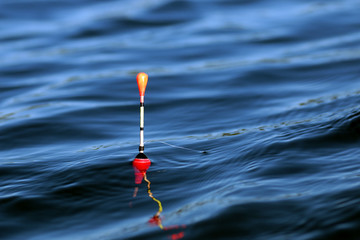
x=153, y=198
x=184, y=148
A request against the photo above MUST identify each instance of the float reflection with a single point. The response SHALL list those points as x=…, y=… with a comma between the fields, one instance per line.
x=156, y=220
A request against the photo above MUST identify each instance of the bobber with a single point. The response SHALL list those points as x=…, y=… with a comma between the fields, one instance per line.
x=141, y=162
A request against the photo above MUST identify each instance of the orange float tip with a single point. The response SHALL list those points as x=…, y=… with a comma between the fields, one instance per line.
x=140, y=164
x=142, y=79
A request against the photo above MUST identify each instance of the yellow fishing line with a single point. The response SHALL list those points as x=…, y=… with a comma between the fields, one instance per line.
x=153, y=198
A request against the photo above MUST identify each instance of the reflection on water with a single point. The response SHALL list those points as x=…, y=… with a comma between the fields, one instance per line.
x=153, y=198
x=156, y=220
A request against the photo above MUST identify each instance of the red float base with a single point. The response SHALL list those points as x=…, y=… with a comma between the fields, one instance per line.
x=140, y=164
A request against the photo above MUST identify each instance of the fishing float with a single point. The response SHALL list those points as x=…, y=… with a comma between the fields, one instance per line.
x=141, y=162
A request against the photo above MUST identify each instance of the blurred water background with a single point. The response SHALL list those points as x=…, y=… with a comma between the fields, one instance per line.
x=269, y=89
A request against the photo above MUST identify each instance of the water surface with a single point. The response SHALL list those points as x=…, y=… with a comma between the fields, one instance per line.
x=252, y=119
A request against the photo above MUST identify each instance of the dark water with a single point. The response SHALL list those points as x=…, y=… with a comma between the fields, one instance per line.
x=269, y=89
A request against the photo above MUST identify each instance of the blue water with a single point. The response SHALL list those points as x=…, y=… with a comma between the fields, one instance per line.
x=252, y=119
